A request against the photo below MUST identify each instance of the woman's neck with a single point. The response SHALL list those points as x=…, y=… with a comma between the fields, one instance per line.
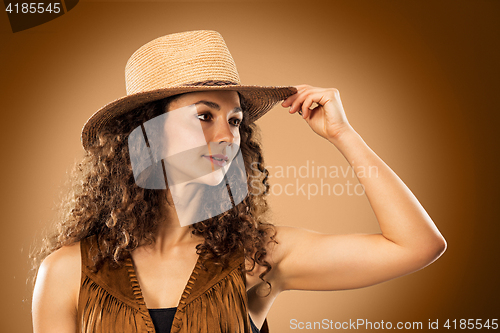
x=171, y=234
x=187, y=199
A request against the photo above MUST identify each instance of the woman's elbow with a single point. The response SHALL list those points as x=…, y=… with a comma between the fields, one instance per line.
x=432, y=250
x=440, y=246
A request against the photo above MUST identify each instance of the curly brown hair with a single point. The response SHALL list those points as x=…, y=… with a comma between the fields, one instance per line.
x=105, y=201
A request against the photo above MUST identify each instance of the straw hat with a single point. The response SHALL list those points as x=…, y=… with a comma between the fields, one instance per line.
x=181, y=63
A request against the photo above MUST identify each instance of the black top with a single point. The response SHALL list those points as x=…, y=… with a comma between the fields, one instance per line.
x=163, y=319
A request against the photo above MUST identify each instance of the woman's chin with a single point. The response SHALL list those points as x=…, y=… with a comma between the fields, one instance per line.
x=212, y=179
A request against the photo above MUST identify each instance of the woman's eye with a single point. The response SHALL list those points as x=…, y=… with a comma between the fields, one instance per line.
x=204, y=116
x=208, y=117
x=236, y=121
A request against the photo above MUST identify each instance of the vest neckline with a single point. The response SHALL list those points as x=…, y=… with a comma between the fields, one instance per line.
x=134, y=281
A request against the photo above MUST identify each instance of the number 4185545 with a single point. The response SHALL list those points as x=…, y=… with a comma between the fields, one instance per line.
x=471, y=324
x=33, y=8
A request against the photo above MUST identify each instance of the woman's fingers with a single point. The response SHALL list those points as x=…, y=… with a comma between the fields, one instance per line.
x=291, y=99
x=294, y=100
x=320, y=107
x=305, y=98
x=288, y=102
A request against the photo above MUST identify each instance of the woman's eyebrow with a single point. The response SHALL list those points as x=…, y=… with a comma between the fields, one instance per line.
x=216, y=106
x=211, y=105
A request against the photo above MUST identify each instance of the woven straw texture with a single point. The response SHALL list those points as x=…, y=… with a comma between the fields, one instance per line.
x=176, y=64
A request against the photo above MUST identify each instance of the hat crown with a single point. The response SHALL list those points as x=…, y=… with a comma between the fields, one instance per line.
x=176, y=64
x=180, y=59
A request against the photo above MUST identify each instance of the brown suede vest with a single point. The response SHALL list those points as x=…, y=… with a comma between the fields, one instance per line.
x=214, y=300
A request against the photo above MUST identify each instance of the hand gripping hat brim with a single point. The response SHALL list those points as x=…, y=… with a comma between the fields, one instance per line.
x=181, y=63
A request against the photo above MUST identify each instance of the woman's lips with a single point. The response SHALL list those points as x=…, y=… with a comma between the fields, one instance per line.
x=217, y=159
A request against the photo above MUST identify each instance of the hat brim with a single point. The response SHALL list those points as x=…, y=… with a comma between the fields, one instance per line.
x=259, y=101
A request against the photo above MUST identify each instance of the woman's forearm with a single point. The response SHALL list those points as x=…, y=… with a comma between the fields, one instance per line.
x=401, y=217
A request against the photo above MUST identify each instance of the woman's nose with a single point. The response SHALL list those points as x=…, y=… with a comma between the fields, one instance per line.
x=222, y=132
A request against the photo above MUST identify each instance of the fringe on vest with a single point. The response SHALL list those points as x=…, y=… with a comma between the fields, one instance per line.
x=214, y=299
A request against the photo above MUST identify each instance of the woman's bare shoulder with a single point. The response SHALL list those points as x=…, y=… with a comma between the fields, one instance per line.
x=276, y=249
x=286, y=239
x=55, y=297
x=277, y=246
x=61, y=269
x=63, y=261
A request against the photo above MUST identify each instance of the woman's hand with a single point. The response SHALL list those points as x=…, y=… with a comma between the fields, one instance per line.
x=328, y=118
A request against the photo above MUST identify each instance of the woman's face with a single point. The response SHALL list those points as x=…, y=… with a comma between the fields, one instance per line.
x=202, y=136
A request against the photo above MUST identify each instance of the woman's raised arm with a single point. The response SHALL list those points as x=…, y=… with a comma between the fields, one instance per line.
x=409, y=240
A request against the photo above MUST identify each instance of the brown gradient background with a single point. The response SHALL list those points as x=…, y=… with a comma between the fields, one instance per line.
x=419, y=81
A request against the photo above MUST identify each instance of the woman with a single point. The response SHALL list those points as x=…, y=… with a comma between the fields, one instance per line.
x=124, y=255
